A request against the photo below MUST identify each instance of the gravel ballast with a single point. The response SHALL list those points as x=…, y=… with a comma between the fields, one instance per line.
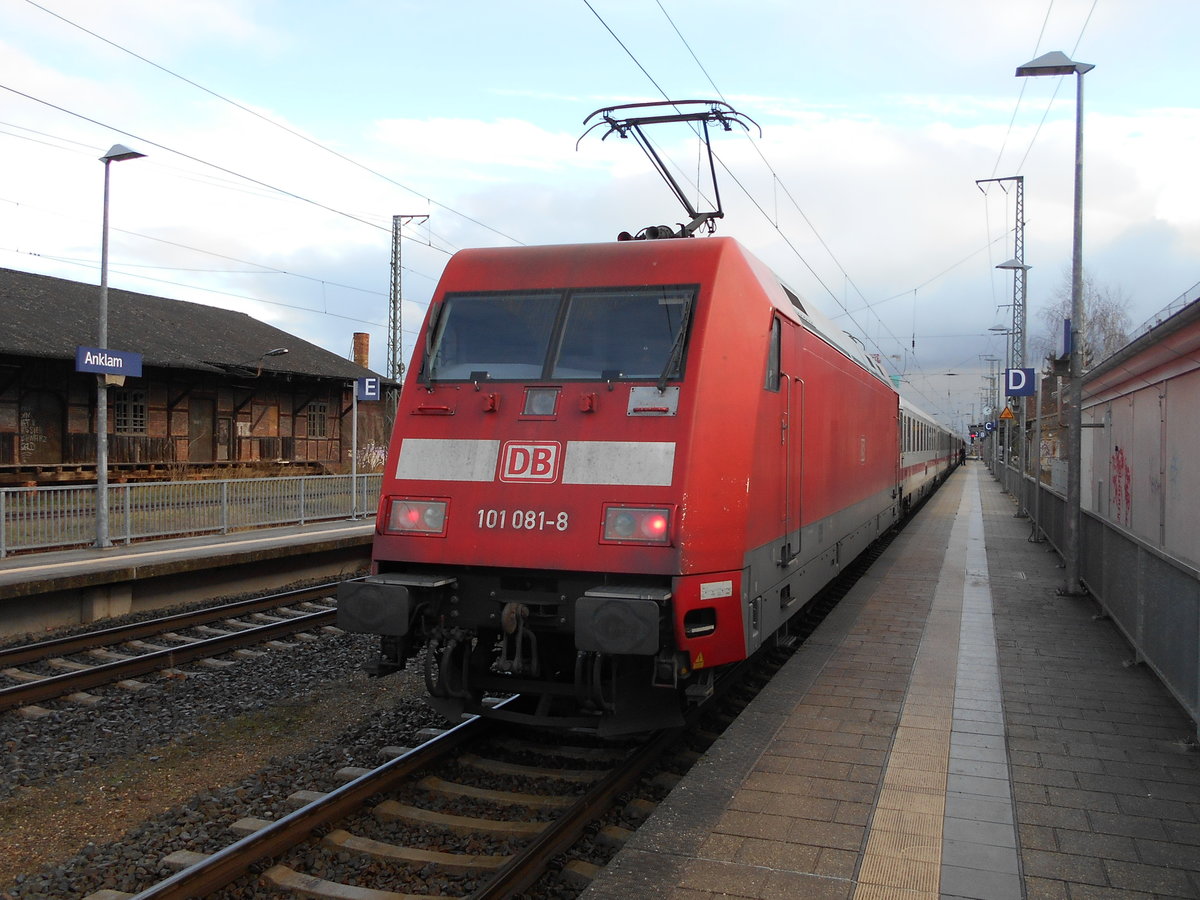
x=95, y=795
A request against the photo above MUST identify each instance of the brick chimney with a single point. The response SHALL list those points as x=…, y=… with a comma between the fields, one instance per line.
x=362, y=349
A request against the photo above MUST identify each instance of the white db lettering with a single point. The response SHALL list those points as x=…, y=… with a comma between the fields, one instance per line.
x=530, y=462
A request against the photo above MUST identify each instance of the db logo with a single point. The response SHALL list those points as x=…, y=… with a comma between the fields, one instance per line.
x=530, y=462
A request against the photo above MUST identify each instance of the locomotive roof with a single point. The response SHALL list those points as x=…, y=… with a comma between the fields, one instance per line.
x=787, y=301
x=50, y=317
x=815, y=320
x=820, y=324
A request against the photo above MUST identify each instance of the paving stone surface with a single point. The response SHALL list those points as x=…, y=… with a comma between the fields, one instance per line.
x=955, y=728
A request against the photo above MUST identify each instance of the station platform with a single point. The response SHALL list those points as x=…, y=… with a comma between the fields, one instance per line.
x=954, y=728
x=40, y=591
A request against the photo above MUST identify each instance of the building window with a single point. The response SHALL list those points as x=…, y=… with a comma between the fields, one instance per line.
x=318, y=419
x=129, y=411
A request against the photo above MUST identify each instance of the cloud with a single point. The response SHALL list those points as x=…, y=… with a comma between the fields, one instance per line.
x=504, y=143
x=874, y=148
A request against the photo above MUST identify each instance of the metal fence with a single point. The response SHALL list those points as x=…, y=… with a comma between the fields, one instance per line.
x=1152, y=597
x=40, y=518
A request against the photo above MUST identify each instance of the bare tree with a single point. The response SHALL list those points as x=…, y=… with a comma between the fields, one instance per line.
x=1106, y=321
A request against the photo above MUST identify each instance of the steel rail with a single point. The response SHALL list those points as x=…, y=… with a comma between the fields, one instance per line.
x=106, y=673
x=529, y=863
x=228, y=864
x=65, y=646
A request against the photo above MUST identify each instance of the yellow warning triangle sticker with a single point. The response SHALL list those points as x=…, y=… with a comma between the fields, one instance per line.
x=1007, y=414
x=699, y=661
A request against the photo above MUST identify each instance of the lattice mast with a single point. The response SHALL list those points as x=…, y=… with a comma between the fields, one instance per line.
x=1017, y=355
x=1016, y=343
x=395, y=334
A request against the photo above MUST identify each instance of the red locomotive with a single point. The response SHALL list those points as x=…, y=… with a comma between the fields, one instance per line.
x=617, y=468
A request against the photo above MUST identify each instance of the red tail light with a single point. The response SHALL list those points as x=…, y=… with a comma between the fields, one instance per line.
x=409, y=515
x=654, y=527
x=637, y=524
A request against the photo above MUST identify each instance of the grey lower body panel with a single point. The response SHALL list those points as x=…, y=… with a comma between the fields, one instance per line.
x=774, y=592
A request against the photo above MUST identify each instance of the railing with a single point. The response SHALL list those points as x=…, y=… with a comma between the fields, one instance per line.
x=40, y=518
x=1152, y=597
x=1185, y=299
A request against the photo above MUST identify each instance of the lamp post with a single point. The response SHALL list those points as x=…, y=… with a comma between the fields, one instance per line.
x=1002, y=400
x=1058, y=63
x=990, y=410
x=117, y=153
x=1017, y=360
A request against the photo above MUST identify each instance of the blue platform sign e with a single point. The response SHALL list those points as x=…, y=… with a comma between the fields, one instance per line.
x=1019, y=383
x=108, y=362
x=368, y=389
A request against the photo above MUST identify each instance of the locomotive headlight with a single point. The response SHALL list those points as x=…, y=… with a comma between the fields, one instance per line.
x=637, y=524
x=407, y=515
x=621, y=525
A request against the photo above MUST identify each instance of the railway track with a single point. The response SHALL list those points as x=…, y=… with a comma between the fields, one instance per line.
x=334, y=844
x=324, y=818
x=244, y=624
x=567, y=791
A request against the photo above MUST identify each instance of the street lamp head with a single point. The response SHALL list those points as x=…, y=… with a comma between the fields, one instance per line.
x=1053, y=63
x=120, y=153
x=1014, y=263
x=278, y=351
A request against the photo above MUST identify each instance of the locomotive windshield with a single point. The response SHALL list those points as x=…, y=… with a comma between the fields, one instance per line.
x=503, y=336
x=583, y=335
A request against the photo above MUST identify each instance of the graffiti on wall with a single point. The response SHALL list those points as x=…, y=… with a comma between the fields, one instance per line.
x=1122, y=487
x=41, y=427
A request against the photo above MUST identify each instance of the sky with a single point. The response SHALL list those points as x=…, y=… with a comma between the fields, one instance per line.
x=283, y=136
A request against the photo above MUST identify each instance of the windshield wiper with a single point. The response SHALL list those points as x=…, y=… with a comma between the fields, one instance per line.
x=425, y=376
x=676, y=356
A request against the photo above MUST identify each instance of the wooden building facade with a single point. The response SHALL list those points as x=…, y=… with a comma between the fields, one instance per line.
x=211, y=394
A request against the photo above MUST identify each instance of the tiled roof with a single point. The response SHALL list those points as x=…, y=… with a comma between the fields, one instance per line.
x=42, y=316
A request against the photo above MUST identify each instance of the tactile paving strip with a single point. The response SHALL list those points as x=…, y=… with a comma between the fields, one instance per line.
x=906, y=846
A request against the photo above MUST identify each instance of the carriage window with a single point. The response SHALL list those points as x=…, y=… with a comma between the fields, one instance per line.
x=498, y=336
x=627, y=334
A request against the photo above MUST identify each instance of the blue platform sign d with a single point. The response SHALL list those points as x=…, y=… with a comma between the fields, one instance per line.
x=108, y=362
x=368, y=389
x=1019, y=383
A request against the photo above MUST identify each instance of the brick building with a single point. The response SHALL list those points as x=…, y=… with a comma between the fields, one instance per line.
x=209, y=398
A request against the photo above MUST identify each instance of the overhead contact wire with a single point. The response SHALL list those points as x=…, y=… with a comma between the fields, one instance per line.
x=278, y=125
